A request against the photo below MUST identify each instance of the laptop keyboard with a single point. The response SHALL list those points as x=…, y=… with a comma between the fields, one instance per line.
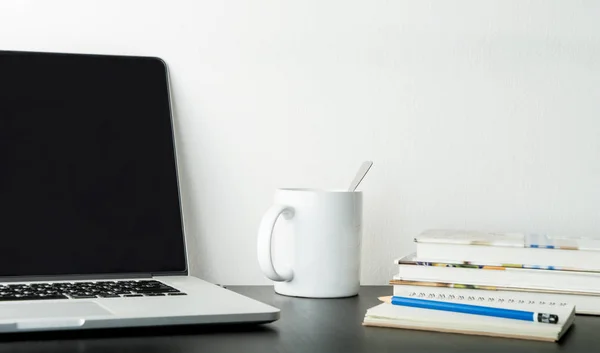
x=84, y=290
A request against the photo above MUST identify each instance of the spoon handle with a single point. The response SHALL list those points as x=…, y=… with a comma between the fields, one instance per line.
x=360, y=174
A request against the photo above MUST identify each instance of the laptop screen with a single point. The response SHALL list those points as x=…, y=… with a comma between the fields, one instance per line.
x=88, y=183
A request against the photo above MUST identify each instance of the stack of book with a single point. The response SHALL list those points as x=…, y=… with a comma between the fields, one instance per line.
x=523, y=272
x=488, y=267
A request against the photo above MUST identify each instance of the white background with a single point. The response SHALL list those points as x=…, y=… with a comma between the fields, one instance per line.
x=477, y=114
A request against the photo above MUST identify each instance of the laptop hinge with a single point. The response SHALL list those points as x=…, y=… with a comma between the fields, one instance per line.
x=75, y=277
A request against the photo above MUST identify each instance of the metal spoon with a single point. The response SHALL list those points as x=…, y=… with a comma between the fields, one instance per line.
x=360, y=174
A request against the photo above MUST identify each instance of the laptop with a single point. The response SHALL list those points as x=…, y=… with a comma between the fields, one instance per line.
x=91, y=221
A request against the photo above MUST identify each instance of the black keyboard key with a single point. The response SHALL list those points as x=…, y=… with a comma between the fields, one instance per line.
x=178, y=293
x=75, y=296
x=53, y=296
x=109, y=296
x=20, y=298
x=155, y=290
x=133, y=295
x=62, y=284
x=154, y=294
x=149, y=283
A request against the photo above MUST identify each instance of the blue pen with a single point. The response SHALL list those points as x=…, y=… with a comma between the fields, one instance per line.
x=472, y=309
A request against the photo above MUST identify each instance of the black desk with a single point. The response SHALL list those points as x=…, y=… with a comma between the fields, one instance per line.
x=306, y=325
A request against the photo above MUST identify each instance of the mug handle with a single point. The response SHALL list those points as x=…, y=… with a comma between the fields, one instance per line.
x=265, y=234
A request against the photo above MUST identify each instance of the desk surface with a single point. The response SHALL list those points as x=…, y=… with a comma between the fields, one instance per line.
x=306, y=325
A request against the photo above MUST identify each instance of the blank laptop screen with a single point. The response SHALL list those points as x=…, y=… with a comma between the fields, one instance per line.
x=88, y=183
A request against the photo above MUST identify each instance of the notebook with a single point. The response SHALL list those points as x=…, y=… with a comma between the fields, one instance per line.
x=394, y=316
x=584, y=304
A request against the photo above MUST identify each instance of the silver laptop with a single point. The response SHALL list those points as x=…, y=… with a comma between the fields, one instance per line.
x=91, y=230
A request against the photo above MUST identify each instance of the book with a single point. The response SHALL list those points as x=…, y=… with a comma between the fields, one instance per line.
x=584, y=304
x=511, y=248
x=395, y=316
x=409, y=259
x=519, y=240
x=410, y=268
x=399, y=281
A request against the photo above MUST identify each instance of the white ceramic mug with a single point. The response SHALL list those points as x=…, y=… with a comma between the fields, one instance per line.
x=317, y=251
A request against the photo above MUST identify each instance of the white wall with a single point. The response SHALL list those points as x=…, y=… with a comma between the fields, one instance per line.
x=477, y=114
